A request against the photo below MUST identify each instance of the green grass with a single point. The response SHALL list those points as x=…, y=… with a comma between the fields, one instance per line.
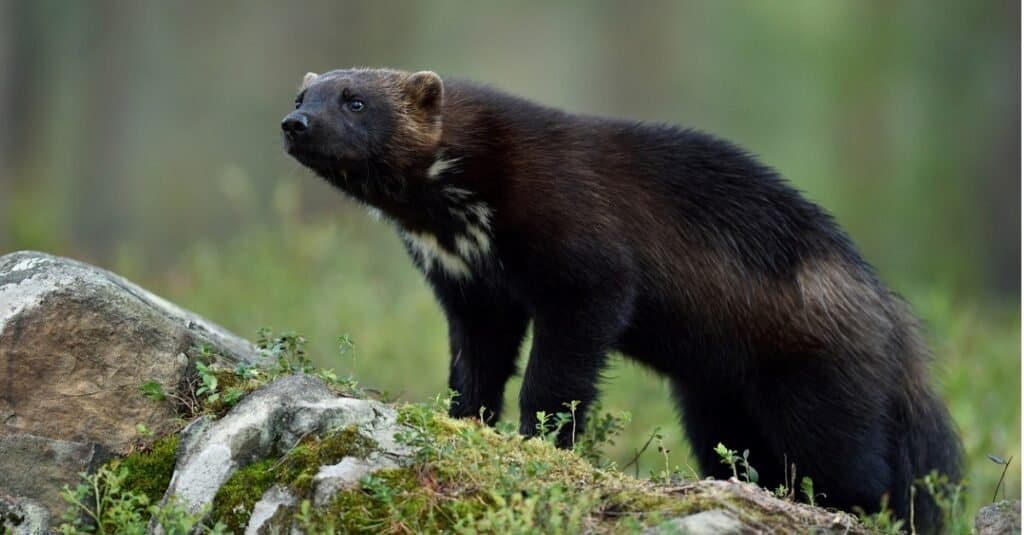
x=350, y=275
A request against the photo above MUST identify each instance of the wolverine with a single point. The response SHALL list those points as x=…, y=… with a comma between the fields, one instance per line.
x=672, y=246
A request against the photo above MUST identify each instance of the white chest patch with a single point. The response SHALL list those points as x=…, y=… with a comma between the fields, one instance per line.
x=472, y=244
x=430, y=252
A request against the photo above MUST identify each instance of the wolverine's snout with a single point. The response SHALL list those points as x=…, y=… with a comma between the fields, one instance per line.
x=295, y=124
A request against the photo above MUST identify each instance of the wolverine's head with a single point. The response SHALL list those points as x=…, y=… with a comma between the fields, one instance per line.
x=349, y=121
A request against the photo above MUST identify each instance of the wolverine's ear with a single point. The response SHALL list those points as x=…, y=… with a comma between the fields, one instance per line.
x=308, y=79
x=425, y=91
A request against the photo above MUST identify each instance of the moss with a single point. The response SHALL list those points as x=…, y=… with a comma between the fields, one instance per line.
x=300, y=465
x=392, y=496
x=235, y=499
x=150, y=470
x=465, y=477
x=227, y=379
x=468, y=477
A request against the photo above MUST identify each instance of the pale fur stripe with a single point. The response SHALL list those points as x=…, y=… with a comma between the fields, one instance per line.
x=429, y=250
x=440, y=165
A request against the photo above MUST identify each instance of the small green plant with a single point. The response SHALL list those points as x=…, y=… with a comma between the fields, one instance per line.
x=153, y=390
x=288, y=349
x=635, y=461
x=599, y=433
x=208, y=383
x=310, y=523
x=346, y=345
x=949, y=497
x=669, y=475
x=730, y=458
x=883, y=521
x=787, y=489
x=807, y=488
x=215, y=390
x=102, y=504
x=1006, y=465
x=420, y=422
x=553, y=509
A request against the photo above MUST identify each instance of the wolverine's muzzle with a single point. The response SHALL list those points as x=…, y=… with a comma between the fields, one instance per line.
x=294, y=125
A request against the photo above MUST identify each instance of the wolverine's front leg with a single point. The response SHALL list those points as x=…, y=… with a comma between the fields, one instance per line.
x=485, y=330
x=571, y=339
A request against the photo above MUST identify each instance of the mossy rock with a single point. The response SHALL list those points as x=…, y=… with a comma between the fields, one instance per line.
x=234, y=501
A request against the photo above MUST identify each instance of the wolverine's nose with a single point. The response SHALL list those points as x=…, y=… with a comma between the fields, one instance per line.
x=295, y=123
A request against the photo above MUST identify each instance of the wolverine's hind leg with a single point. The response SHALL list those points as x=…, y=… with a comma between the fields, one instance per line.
x=833, y=423
x=712, y=416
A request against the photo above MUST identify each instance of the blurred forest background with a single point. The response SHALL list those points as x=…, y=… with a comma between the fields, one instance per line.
x=142, y=136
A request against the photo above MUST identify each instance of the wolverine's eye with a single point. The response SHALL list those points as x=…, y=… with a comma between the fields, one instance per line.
x=355, y=105
x=298, y=99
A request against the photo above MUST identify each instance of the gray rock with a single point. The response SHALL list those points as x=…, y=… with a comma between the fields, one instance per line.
x=345, y=475
x=998, y=518
x=22, y=516
x=714, y=522
x=38, y=467
x=76, y=342
x=269, y=422
x=269, y=515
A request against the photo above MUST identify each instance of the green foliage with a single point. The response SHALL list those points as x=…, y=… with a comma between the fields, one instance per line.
x=104, y=503
x=949, y=496
x=526, y=513
x=600, y=434
x=288, y=349
x=1005, y=463
x=807, y=489
x=730, y=458
x=212, y=389
x=550, y=426
x=209, y=385
x=153, y=390
x=882, y=521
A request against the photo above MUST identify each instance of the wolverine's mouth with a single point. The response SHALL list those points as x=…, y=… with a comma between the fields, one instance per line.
x=321, y=160
x=310, y=155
